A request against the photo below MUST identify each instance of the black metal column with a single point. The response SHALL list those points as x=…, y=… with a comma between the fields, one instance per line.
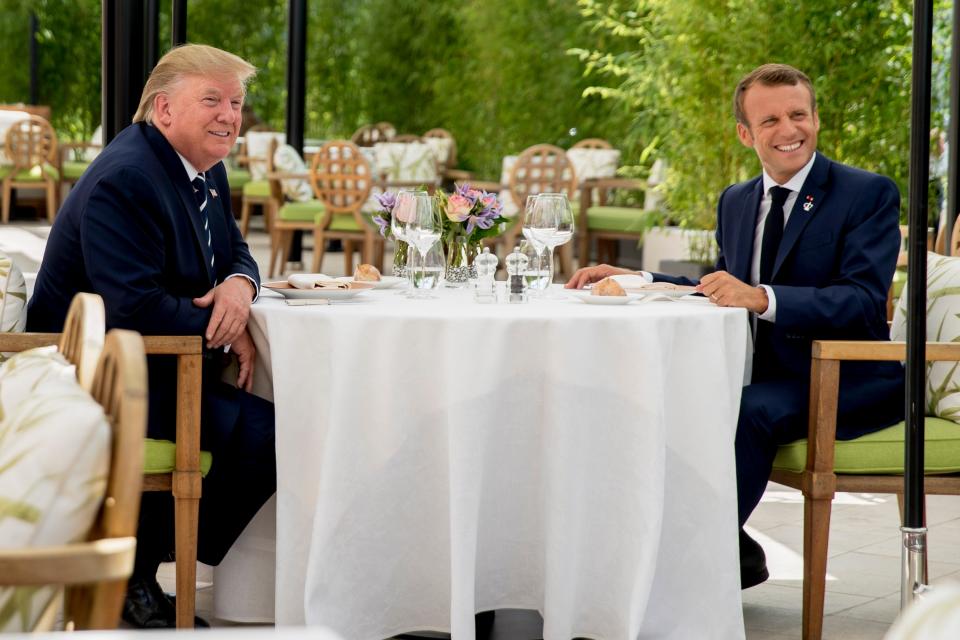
x=123, y=64
x=914, y=552
x=152, y=35
x=953, y=135
x=178, y=22
x=34, y=61
x=296, y=72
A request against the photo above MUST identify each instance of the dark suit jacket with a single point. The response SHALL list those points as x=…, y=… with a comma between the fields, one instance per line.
x=833, y=268
x=131, y=231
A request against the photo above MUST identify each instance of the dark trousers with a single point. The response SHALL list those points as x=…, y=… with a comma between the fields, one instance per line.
x=775, y=412
x=243, y=476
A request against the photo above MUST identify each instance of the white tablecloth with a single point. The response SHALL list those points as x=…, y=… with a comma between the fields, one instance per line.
x=441, y=457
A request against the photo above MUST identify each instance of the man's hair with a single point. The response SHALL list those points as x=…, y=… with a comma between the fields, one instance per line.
x=190, y=60
x=770, y=75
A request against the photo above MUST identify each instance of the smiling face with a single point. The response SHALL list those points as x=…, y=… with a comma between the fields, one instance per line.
x=781, y=126
x=200, y=117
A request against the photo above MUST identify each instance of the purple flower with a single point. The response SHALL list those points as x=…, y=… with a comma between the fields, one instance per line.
x=383, y=224
x=387, y=201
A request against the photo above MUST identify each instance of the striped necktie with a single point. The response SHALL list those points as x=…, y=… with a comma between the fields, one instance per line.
x=200, y=193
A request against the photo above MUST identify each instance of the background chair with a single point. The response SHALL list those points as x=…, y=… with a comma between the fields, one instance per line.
x=342, y=180
x=31, y=150
x=592, y=143
x=75, y=157
x=444, y=148
x=820, y=465
x=370, y=134
x=259, y=160
x=97, y=568
x=292, y=207
x=604, y=223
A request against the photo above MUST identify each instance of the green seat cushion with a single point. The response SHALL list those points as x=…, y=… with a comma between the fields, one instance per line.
x=257, y=189
x=618, y=219
x=238, y=178
x=31, y=175
x=72, y=170
x=340, y=222
x=159, y=457
x=301, y=211
x=881, y=452
x=899, y=280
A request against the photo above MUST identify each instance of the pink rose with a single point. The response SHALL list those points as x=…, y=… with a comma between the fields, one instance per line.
x=405, y=209
x=458, y=208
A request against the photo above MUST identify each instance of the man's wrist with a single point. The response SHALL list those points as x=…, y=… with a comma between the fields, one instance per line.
x=763, y=302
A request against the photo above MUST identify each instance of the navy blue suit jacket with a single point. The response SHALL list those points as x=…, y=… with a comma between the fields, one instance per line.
x=131, y=231
x=833, y=268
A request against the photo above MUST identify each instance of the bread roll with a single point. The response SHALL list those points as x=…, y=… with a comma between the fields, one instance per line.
x=366, y=273
x=608, y=287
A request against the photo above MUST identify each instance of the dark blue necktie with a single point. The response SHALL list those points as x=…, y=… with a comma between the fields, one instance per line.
x=200, y=194
x=772, y=233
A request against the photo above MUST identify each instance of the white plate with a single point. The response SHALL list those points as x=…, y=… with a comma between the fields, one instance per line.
x=287, y=291
x=589, y=298
x=385, y=282
x=670, y=293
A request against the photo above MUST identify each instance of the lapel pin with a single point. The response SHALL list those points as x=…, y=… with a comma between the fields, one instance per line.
x=808, y=204
x=213, y=192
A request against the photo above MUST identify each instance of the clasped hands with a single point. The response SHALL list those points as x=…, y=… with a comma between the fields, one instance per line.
x=723, y=289
x=231, y=301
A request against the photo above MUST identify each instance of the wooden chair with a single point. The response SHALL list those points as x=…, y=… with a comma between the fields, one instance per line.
x=592, y=143
x=95, y=571
x=598, y=221
x=256, y=192
x=31, y=148
x=542, y=168
x=820, y=466
x=74, y=158
x=342, y=180
x=370, y=134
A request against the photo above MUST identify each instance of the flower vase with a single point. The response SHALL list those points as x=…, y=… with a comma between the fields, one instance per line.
x=461, y=253
x=400, y=251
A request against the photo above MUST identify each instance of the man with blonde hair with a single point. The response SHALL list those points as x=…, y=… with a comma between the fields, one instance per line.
x=149, y=228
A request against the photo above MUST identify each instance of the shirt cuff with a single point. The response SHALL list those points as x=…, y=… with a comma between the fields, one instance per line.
x=256, y=289
x=646, y=275
x=770, y=315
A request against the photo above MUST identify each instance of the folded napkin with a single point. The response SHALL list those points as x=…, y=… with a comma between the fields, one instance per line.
x=308, y=280
x=631, y=281
x=635, y=283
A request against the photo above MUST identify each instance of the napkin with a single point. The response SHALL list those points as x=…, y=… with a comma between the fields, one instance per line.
x=308, y=280
x=637, y=283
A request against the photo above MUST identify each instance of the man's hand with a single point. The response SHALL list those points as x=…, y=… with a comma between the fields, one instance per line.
x=588, y=275
x=726, y=291
x=246, y=355
x=231, y=307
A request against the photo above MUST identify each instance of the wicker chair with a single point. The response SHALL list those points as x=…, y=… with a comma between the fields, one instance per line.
x=31, y=148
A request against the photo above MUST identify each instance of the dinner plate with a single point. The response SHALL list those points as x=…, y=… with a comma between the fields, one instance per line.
x=288, y=291
x=385, y=282
x=589, y=298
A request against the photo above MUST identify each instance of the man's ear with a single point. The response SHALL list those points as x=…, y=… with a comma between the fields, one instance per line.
x=161, y=109
x=746, y=139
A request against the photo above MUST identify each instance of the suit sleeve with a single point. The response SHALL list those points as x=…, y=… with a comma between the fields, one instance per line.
x=123, y=239
x=856, y=295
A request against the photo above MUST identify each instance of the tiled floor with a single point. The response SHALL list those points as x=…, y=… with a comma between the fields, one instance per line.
x=863, y=580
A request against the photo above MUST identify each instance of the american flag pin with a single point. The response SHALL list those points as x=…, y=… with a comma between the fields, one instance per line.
x=213, y=192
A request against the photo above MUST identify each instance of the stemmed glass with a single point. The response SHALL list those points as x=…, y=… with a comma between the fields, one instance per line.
x=402, y=210
x=551, y=224
x=539, y=260
x=422, y=227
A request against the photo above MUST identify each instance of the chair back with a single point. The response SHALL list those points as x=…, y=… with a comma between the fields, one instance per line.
x=82, y=338
x=341, y=178
x=444, y=147
x=407, y=138
x=29, y=143
x=370, y=134
x=542, y=168
x=592, y=143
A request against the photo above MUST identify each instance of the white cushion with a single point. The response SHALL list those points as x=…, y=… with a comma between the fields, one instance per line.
x=13, y=297
x=594, y=163
x=90, y=153
x=54, y=460
x=287, y=160
x=406, y=162
x=258, y=146
x=943, y=325
x=440, y=147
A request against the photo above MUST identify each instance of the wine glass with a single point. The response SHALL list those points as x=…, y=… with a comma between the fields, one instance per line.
x=538, y=247
x=422, y=227
x=551, y=224
x=403, y=207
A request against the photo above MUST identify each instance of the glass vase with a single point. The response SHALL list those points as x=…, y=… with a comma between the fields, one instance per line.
x=400, y=251
x=461, y=252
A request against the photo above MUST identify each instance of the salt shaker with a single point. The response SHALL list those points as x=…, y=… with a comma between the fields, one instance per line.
x=516, y=285
x=486, y=264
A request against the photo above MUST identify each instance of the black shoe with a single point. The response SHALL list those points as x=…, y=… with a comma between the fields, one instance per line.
x=148, y=607
x=753, y=562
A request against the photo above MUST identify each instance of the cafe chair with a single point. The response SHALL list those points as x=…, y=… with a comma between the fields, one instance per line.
x=542, y=168
x=342, y=181
x=76, y=471
x=75, y=157
x=30, y=148
x=370, y=134
x=874, y=463
x=444, y=148
x=292, y=204
x=259, y=159
x=592, y=143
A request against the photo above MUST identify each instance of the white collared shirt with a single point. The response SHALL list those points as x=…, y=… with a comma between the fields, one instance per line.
x=794, y=184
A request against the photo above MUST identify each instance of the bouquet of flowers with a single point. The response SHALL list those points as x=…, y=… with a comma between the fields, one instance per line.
x=471, y=214
x=386, y=201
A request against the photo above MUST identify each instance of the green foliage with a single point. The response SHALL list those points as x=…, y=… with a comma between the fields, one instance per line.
x=679, y=62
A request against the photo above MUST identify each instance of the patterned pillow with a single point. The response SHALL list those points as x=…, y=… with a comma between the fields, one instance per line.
x=287, y=160
x=13, y=297
x=54, y=459
x=943, y=325
x=258, y=146
x=594, y=163
x=406, y=162
x=441, y=148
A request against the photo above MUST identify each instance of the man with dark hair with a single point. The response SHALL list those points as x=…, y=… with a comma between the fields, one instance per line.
x=809, y=248
x=149, y=228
